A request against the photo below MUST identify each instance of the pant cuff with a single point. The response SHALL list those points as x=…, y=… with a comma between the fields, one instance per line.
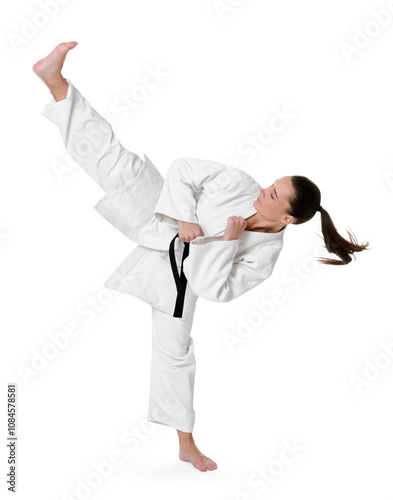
x=170, y=423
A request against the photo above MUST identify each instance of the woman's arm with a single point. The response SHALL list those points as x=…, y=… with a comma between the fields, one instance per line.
x=211, y=269
x=212, y=273
x=186, y=179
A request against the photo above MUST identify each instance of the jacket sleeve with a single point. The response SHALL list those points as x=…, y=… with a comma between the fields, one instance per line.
x=185, y=180
x=213, y=273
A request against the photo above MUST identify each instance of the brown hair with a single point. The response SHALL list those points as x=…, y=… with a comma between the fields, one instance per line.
x=304, y=205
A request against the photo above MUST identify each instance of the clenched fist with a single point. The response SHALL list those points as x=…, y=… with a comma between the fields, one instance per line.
x=189, y=231
x=235, y=226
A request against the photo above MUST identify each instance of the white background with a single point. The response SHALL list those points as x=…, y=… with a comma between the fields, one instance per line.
x=291, y=380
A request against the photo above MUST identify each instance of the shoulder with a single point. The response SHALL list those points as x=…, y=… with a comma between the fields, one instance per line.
x=235, y=173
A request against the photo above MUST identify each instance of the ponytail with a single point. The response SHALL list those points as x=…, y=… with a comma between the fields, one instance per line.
x=304, y=205
x=335, y=243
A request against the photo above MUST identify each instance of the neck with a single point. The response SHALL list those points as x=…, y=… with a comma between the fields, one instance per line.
x=255, y=223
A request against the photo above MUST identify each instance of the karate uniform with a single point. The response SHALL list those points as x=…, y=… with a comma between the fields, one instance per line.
x=146, y=208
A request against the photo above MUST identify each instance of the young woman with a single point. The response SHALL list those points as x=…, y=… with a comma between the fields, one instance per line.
x=206, y=230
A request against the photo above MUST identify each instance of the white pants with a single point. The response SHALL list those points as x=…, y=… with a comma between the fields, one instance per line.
x=112, y=166
x=172, y=372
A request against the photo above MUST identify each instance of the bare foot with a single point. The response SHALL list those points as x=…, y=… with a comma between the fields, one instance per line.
x=49, y=70
x=190, y=453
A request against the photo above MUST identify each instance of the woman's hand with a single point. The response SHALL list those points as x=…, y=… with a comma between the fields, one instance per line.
x=235, y=226
x=189, y=231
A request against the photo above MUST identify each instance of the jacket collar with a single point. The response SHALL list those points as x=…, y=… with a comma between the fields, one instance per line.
x=244, y=210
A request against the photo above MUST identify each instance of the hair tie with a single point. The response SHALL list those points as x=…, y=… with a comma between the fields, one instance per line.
x=320, y=208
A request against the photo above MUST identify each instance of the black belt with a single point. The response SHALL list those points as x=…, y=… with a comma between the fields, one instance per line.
x=181, y=281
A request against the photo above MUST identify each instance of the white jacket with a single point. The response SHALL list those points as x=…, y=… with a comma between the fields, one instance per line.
x=146, y=208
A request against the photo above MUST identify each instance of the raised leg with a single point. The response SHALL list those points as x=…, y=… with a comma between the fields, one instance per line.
x=87, y=136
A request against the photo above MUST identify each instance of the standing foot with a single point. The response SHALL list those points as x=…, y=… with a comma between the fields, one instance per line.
x=188, y=452
x=49, y=69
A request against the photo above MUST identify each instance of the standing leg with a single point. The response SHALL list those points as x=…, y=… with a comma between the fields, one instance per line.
x=87, y=136
x=172, y=378
x=172, y=372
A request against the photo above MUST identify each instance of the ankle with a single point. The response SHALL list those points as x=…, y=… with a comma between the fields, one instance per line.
x=58, y=88
x=185, y=438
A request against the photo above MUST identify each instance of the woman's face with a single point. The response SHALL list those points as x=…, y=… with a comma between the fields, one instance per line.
x=273, y=201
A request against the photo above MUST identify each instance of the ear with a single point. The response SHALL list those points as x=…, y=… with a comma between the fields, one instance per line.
x=288, y=219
